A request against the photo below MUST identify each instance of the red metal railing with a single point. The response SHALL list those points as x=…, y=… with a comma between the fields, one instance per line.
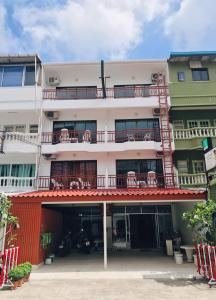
x=9, y=261
x=97, y=93
x=73, y=136
x=118, y=136
x=71, y=182
x=101, y=182
x=134, y=135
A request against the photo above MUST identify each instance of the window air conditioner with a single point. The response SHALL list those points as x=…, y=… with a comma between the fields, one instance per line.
x=156, y=111
x=49, y=156
x=157, y=78
x=53, y=81
x=52, y=115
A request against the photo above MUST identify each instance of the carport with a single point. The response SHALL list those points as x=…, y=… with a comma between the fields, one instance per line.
x=35, y=215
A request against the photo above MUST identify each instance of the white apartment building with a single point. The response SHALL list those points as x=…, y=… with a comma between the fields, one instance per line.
x=80, y=137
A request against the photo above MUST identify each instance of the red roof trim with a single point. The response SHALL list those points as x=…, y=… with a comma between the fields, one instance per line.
x=110, y=195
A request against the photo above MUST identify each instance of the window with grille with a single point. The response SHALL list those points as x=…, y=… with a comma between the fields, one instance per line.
x=33, y=128
x=15, y=128
x=200, y=74
x=178, y=124
x=182, y=166
x=198, y=123
x=198, y=166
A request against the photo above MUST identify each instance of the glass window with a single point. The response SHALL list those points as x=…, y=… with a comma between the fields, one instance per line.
x=198, y=166
x=23, y=170
x=200, y=74
x=1, y=75
x=198, y=123
x=178, y=124
x=181, y=76
x=124, y=91
x=29, y=75
x=12, y=76
x=33, y=128
x=15, y=128
x=182, y=166
x=4, y=170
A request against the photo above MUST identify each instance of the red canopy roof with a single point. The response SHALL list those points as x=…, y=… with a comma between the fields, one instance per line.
x=112, y=195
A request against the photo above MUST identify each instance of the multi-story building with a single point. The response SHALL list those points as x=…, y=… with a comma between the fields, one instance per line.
x=193, y=112
x=104, y=161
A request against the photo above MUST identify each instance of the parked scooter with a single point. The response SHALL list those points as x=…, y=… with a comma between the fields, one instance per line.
x=83, y=243
x=64, y=247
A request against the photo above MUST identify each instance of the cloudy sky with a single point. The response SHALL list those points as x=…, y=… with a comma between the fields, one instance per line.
x=106, y=29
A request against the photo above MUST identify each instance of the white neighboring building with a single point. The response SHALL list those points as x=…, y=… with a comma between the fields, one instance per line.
x=20, y=102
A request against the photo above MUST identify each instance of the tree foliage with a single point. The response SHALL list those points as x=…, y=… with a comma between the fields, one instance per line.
x=6, y=218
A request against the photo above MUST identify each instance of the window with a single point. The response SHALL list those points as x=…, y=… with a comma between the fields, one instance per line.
x=12, y=76
x=200, y=74
x=140, y=166
x=181, y=76
x=198, y=123
x=198, y=166
x=178, y=124
x=132, y=90
x=133, y=127
x=182, y=166
x=15, y=128
x=33, y=128
x=17, y=75
x=17, y=170
x=29, y=75
x=79, y=92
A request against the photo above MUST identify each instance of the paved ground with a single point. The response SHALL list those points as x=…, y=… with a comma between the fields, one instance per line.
x=130, y=276
x=112, y=289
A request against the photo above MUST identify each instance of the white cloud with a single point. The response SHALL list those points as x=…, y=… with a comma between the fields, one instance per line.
x=8, y=42
x=193, y=26
x=88, y=29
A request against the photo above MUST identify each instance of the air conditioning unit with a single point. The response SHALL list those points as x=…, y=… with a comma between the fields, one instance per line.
x=52, y=115
x=54, y=81
x=156, y=111
x=157, y=78
x=49, y=156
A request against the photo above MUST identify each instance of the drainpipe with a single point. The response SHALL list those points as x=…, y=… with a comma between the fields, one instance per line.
x=103, y=79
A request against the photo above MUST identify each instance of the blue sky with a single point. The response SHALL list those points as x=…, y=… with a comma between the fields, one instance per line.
x=67, y=30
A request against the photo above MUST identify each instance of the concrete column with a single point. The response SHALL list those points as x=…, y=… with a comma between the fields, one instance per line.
x=105, y=235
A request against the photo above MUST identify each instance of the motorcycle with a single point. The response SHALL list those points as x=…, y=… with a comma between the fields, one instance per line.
x=83, y=244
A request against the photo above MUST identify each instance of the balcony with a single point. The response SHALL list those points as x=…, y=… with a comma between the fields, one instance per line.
x=101, y=141
x=192, y=180
x=192, y=137
x=19, y=142
x=96, y=96
x=104, y=181
x=17, y=184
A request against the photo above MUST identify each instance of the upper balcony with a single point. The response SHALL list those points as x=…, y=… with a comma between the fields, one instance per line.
x=191, y=138
x=101, y=141
x=118, y=96
x=17, y=142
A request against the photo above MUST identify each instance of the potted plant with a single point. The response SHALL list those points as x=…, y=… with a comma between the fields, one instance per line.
x=16, y=275
x=27, y=267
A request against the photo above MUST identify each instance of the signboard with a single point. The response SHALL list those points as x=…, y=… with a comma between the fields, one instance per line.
x=210, y=159
x=206, y=143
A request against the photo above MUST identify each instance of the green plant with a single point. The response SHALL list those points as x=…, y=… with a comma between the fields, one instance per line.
x=26, y=267
x=16, y=274
x=200, y=220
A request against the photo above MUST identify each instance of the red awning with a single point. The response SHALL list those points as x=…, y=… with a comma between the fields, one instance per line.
x=111, y=195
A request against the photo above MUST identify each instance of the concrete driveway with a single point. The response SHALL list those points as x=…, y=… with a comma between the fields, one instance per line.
x=112, y=289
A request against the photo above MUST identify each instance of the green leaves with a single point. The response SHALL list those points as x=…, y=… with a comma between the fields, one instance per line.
x=6, y=218
x=201, y=222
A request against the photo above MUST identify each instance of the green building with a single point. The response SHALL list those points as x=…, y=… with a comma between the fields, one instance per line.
x=192, y=85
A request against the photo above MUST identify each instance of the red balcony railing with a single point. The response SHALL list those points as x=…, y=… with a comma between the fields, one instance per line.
x=73, y=136
x=71, y=182
x=134, y=135
x=118, y=136
x=97, y=93
x=101, y=182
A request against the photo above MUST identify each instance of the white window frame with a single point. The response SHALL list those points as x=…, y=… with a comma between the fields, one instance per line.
x=198, y=123
x=23, y=75
x=180, y=124
x=32, y=125
x=193, y=166
x=15, y=126
x=182, y=160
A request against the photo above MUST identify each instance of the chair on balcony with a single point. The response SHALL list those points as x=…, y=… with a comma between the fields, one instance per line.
x=74, y=185
x=64, y=136
x=151, y=179
x=147, y=137
x=132, y=180
x=56, y=185
x=130, y=138
x=86, y=136
x=84, y=184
